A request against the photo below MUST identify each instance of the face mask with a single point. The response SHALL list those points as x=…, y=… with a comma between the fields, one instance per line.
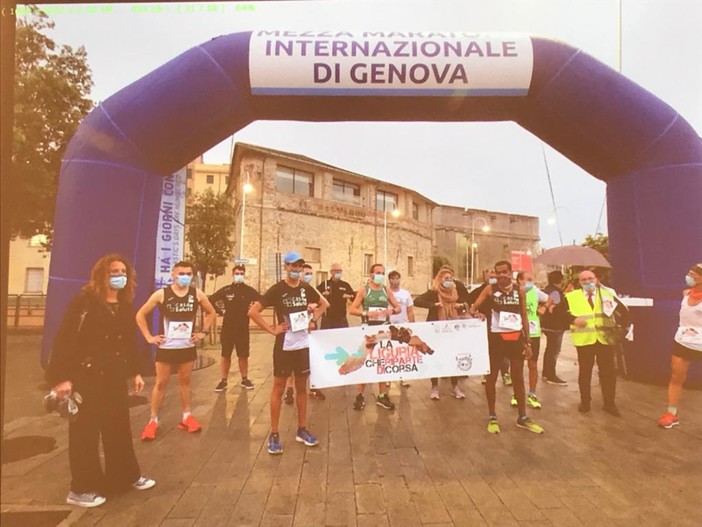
x=294, y=275
x=184, y=280
x=529, y=286
x=336, y=276
x=448, y=284
x=394, y=283
x=689, y=281
x=307, y=278
x=504, y=281
x=238, y=278
x=589, y=287
x=118, y=282
x=492, y=281
x=379, y=279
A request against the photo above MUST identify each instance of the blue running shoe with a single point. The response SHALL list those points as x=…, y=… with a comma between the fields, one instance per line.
x=274, y=446
x=303, y=436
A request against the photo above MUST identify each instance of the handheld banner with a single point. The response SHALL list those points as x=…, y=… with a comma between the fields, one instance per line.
x=421, y=350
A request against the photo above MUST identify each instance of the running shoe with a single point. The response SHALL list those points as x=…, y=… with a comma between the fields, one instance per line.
x=85, y=499
x=457, y=393
x=507, y=379
x=190, y=424
x=245, y=383
x=530, y=425
x=513, y=401
x=434, y=394
x=556, y=380
x=360, y=402
x=612, y=409
x=533, y=401
x=274, y=446
x=669, y=420
x=221, y=386
x=143, y=483
x=303, y=436
x=149, y=433
x=318, y=395
x=493, y=426
x=384, y=401
x=405, y=384
x=289, y=396
x=584, y=408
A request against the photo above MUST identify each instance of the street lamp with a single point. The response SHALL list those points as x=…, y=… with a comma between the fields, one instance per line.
x=248, y=187
x=553, y=220
x=485, y=228
x=395, y=214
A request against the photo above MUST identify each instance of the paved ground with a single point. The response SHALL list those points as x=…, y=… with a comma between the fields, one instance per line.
x=427, y=463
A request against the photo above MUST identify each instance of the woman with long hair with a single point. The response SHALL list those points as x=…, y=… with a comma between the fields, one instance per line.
x=94, y=353
x=443, y=303
x=688, y=343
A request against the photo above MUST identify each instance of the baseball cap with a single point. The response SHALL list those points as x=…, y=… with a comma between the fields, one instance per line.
x=293, y=257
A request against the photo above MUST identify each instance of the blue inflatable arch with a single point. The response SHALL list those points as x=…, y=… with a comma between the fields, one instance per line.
x=649, y=156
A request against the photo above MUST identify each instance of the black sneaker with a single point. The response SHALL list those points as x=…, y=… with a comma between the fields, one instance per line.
x=584, y=408
x=384, y=402
x=612, y=409
x=556, y=380
x=245, y=383
x=221, y=386
x=289, y=396
x=360, y=402
x=318, y=394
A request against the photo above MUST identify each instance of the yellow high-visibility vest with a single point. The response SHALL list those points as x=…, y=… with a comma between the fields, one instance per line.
x=599, y=326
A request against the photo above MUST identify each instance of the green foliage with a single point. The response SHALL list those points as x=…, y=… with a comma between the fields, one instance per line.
x=438, y=262
x=599, y=242
x=51, y=88
x=209, y=222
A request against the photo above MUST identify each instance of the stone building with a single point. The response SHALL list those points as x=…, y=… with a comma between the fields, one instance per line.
x=329, y=215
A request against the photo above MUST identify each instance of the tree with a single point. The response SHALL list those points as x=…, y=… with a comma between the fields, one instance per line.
x=209, y=222
x=599, y=242
x=51, y=88
x=438, y=262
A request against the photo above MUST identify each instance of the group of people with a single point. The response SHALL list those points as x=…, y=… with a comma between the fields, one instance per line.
x=516, y=311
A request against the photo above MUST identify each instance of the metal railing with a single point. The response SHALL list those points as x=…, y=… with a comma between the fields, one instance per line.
x=26, y=311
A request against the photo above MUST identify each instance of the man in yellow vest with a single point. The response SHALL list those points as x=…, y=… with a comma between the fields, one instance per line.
x=591, y=308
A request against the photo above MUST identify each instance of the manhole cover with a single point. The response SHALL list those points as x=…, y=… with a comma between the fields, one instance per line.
x=24, y=447
x=33, y=518
x=203, y=361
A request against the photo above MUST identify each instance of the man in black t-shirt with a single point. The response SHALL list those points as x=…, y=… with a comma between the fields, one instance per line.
x=338, y=293
x=234, y=301
x=297, y=305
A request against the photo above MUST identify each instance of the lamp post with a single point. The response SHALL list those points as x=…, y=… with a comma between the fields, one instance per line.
x=395, y=213
x=473, y=245
x=245, y=190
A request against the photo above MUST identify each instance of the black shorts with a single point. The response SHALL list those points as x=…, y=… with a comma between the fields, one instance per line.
x=334, y=323
x=535, y=346
x=503, y=349
x=289, y=362
x=176, y=356
x=239, y=340
x=686, y=353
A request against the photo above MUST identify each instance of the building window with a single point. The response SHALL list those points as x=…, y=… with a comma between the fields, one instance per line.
x=385, y=201
x=322, y=276
x=367, y=262
x=415, y=211
x=210, y=179
x=346, y=192
x=410, y=266
x=34, y=280
x=294, y=181
x=188, y=173
x=312, y=255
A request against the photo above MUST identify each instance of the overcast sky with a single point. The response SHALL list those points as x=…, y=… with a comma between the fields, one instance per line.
x=661, y=51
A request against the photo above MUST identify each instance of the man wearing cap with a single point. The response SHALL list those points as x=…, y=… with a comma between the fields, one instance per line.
x=297, y=305
x=338, y=293
x=233, y=301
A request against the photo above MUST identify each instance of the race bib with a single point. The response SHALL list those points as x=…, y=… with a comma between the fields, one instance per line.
x=375, y=313
x=608, y=306
x=299, y=320
x=534, y=327
x=509, y=320
x=689, y=335
x=179, y=330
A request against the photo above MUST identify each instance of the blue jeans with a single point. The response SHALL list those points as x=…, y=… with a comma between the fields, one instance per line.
x=554, y=339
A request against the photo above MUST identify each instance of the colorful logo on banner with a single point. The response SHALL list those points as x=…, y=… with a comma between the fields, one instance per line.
x=170, y=232
x=389, y=63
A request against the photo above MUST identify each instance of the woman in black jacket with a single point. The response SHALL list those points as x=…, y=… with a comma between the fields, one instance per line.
x=94, y=352
x=444, y=302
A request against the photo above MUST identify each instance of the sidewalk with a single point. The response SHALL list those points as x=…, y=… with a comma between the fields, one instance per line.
x=426, y=463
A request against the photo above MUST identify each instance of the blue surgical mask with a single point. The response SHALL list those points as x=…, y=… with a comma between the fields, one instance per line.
x=238, y=278
x=307, y=278
x=184, y=280
x=379, y=279
x=589, y=287
x=689, y=281
x=448, y=284
x=118, y=282
x=337, y=276
x=294, y=275
x=492, y=281
x=529, y=286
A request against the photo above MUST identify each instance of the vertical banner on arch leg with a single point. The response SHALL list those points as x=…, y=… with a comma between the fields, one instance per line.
x=170, y=231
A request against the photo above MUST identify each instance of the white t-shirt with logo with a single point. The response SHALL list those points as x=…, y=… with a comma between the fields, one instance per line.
x=404, y=298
